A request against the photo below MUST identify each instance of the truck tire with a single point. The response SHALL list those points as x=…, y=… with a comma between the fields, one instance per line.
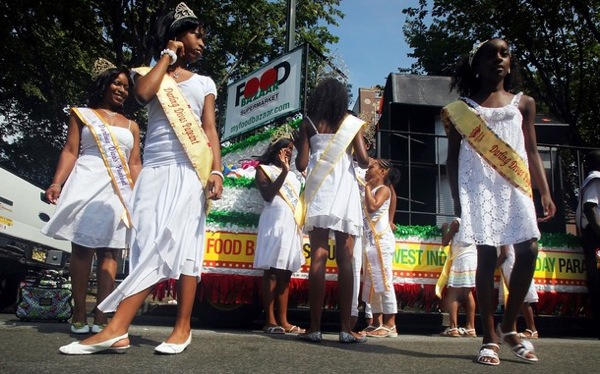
x=9, y=287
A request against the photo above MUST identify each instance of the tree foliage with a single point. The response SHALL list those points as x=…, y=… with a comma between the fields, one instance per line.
x=557, y=43
x=48, y=48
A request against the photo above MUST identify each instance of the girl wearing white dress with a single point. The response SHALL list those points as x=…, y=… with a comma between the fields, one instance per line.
x=334, y=204
x=279, y=239
x=169, y=199
x=89, y=212
x=491, y=185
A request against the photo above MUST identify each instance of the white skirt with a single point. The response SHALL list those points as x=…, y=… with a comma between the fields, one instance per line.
x=168, y=230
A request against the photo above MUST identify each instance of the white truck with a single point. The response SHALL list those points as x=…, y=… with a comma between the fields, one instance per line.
x=23, y=212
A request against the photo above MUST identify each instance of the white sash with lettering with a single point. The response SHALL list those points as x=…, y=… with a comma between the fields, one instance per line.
x=113, y=157
x=372, y=232
x=287, y=191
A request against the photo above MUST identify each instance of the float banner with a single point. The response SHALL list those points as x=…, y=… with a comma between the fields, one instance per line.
x=557, y=269
x=271, y=92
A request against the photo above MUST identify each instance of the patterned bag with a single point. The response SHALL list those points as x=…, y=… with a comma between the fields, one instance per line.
x=47, y=297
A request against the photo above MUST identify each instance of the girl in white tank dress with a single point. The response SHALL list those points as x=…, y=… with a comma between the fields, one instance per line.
x=335, y=204
x=492, y=210
x=89, y=211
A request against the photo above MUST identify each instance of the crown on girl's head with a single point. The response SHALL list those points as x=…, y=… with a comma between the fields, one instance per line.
x=100, y=66
x=370, y=130
x=283, y=131
x=473, y=52
x=182, y=11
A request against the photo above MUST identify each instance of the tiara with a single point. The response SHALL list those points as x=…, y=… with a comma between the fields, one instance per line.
x=370, y=128
x=473, y=52
x=182, y=11
x=100, y=66
x=283, y=131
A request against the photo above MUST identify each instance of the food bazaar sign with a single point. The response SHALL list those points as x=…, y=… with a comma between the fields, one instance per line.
x=271, y=92
x=414, y=262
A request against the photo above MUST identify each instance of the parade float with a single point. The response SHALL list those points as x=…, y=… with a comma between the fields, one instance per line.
x=229, y=281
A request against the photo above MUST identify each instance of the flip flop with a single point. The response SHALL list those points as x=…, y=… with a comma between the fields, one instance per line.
x=274, y=330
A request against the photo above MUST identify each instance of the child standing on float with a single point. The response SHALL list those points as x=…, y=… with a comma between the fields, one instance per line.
x=279, y=239
x=491, y=196
x=170, y=196
x=380, y=243
x=327, y=139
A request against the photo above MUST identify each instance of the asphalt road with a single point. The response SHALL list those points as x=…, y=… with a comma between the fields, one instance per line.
x=28, y=347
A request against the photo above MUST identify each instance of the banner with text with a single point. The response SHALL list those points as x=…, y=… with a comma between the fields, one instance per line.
x=271, y=92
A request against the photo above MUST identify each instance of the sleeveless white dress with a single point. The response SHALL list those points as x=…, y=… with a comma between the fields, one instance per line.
x=88, y=211
x=336, y=203
x=279, y=241
x=167, y=237
x=494, y=212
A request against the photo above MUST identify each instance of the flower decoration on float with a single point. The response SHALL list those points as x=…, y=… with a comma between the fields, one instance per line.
x=100, y=66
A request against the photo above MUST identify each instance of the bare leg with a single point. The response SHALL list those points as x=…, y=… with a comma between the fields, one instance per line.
x=484, y=279
x=80, y=267
x=469, y=306
x=344, y=244
x=451, y=305
x=527, y=312
x=268, y=289
x=282, y=292
x=106, y=272
x=520, y=279
x=119, y=324
x=319, y=249
x=186, y=295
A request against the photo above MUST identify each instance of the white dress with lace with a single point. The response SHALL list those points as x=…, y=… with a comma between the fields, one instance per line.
x=494, y=212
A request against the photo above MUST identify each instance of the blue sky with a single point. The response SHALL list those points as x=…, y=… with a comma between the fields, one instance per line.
x=371, y=40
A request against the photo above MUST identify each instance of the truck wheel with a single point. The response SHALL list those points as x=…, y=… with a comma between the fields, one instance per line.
x=217, y=315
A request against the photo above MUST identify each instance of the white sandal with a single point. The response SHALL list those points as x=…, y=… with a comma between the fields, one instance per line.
x=528, y=334
x=521, y=349
x=488, y=353
x=389, y=332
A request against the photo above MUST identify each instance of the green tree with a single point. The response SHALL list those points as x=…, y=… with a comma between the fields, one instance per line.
x=48, y=47
x=557, y=43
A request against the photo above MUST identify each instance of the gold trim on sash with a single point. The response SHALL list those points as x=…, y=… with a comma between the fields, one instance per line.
x=443, y=279
x=112, y=156
x=495, y=151
x=331, y=155
x=287, y=191
x=185, y=125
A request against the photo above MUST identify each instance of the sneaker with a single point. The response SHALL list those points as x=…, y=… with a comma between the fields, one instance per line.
x=80, y=328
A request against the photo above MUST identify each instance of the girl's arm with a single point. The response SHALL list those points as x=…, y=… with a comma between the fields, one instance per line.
x=146, y=87
x=215, y=182
x=66, y=162
x=360, y=149
x=536, y=167
x=269, y=189
x=393, y=203
x=374, y=202
x=454, y=140
x=135, y=157
x=301, y=145
x=448, y=231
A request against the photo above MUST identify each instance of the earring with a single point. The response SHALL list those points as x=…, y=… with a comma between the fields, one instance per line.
x=476, y=75
x=508, y=71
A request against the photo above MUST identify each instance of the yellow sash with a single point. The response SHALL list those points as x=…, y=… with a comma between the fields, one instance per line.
x=443, y=279
x=114, y=159
x=495, y=151
x=373, y=258
x=186, y=126
x=330, y=156
x=287, y=191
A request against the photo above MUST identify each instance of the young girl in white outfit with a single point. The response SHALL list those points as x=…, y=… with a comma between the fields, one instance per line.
x=379, y=178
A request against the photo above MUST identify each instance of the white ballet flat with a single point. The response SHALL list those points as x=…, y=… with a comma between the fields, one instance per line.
x=76, y=348
x=172, y=348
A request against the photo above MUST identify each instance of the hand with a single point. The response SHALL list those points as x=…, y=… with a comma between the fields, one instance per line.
x=177, y=47
x=215, y=187
x=549, y=209
x=284, y=158
x=53, y=193
x=393, y=226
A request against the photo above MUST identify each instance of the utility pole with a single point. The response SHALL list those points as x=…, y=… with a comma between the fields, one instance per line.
x=290, y=24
